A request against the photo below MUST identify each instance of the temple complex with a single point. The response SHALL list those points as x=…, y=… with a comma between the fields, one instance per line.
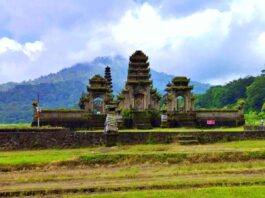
x=139, y=104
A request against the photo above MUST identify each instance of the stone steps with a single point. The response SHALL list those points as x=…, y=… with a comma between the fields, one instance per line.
x=187, y=140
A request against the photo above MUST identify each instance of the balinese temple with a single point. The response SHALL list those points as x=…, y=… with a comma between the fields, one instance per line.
x=138, y=93
x=140, y=98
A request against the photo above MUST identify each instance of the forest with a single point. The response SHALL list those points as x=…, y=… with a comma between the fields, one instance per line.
x=250, y=89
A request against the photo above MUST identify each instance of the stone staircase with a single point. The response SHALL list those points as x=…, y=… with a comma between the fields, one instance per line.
x=187, y=140
x=97, y=121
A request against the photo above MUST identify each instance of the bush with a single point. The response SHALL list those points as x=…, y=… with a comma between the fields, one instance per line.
x=154, y=116
x=253, y=117
x=126, y=114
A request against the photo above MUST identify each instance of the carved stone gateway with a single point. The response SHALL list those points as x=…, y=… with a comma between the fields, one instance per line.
x=98, y=95
x=138, y=93
x=179, y=96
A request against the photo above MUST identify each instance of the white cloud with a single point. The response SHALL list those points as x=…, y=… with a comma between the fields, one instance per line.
x=7, y=44
x=31, y=50
x=245, y=11
x=259, y=44
x=206, y=44
x=145, y=27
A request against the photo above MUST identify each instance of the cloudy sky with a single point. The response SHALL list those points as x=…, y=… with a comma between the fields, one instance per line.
x=209, y=41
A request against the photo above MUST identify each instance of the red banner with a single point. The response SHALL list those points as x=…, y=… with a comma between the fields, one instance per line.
x=211, y=122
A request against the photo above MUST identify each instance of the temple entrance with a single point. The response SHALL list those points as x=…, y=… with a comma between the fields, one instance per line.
x=139, y=102
x=98, y=105
x=180, y=104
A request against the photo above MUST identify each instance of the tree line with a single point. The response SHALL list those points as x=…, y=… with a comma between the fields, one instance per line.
x=250, y=89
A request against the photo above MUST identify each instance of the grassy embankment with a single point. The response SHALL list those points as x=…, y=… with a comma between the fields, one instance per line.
x=139, y=170
x=211, y=192
x=15, y=126
x=182, y=129
x=243, y=150
x=24, y=126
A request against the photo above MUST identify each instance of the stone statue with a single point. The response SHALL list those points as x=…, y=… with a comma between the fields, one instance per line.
x=111, y=125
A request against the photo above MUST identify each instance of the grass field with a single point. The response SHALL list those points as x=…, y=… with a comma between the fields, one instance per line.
x=22, y=126
x=220, y=192
x=17, y=126
x=157, y=152
x=231, y=169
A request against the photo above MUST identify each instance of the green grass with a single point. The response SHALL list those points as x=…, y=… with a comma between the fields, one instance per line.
x=37, y=157
x=23, y=126
x=181, y=129
x=212, y=192
x=172, y=153
x=212, y=170
x=17, y=126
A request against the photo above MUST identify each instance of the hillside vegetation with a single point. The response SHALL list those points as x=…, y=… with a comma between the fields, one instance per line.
x=251, y=89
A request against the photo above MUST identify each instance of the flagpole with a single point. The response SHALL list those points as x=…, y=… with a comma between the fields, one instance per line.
x=38, y=111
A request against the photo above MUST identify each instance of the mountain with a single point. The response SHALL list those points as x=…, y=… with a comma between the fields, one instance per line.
x=63, y=89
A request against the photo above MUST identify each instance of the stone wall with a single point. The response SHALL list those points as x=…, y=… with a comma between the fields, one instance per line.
x=222, y=118
x=79, y=119
x=61, y=138
x=64, y=118
x=40, y=139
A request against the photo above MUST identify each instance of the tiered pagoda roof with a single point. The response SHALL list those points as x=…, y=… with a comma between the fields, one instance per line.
x=179, y=83
x=108, y=78
x=97, y=84
x=139, y=71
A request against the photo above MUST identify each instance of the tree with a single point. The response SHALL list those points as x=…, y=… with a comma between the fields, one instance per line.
x=227, y=95
x=256, y=94
x=263, y=72
x=82, y=100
